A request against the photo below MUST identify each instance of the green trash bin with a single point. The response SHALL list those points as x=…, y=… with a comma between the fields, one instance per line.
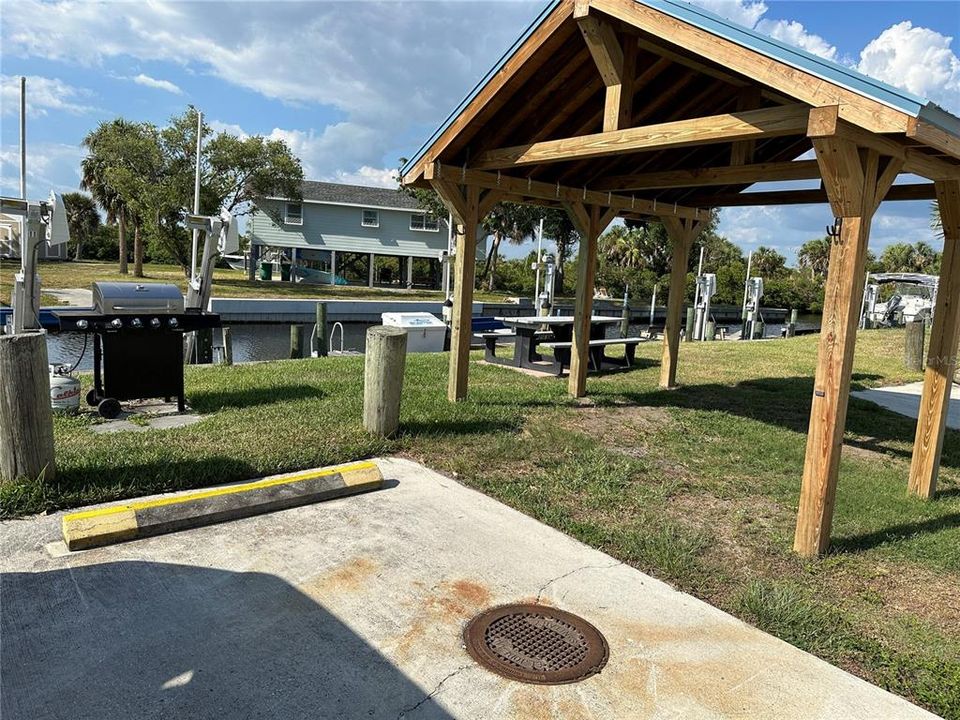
x=266, y=271
x=285, y=272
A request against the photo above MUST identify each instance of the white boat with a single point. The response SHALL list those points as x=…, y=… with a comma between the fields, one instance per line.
x=237, y=262
x=914, y=297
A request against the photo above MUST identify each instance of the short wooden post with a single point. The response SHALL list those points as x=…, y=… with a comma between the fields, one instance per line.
x=913, y=345
x=942, y=355
x=386, y=355
x=854, y=187
x=688, y=328
x=227, y=346
x=710, y=330
x=792, y=324
x=26, y=420
x=296, y=341
x=323, y=343
x=682, y=234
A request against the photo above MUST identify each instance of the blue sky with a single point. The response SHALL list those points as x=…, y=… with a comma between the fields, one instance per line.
x=354, y=86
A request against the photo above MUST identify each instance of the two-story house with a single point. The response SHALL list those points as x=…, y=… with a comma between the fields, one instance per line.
x=351, y=234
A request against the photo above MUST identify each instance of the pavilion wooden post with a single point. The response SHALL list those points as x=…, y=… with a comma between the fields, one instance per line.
x=464, y=205
x=590, y=223
x=942, y=357
x=682, y=234
x=855, y=186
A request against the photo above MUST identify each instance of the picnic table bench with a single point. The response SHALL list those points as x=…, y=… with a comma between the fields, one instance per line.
x=528, y=333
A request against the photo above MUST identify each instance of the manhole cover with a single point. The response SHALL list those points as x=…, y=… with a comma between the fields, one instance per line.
x=536, y=644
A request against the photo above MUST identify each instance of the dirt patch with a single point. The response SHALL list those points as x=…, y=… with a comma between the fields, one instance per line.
x=895, y=590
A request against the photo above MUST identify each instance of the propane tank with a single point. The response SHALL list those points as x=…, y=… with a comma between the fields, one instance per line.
x=64, y=390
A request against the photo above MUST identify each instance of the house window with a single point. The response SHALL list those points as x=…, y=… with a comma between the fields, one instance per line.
x=293, y=214
x=424, y=221
x=371, y=218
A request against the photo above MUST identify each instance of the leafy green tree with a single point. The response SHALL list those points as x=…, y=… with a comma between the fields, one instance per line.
x=768, y=263
x=507, y=221
x=82, y=219
x=814, y=257
x=558, y=226
x=100, y=145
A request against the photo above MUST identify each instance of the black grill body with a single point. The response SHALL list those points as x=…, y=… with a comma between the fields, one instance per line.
x=136, y=355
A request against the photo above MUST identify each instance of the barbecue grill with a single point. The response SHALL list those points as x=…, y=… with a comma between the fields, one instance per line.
x=137, y=342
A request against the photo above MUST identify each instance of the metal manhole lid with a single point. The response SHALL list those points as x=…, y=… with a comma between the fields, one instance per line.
x=536, y=644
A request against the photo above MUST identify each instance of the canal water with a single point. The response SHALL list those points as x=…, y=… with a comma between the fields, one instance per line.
x=271, y=341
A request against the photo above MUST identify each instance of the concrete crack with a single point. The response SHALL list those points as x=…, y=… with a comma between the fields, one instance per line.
x=434, y=692
x=547, y=584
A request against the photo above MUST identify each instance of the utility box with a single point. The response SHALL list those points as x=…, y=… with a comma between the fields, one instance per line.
x=425, y=332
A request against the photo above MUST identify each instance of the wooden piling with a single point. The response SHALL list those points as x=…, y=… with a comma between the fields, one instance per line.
x=386, y=354
x=710, y=330
x=792, y=324
x=227, y=346
x=323, y=344
x=296, y=342
x=26, y=420
x=688, y=331
x=913, y=346
x=625, y=318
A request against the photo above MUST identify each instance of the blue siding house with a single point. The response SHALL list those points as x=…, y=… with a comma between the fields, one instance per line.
x=350, y=234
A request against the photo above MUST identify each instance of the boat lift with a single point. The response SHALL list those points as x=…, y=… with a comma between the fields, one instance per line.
x=706, y=289
x=44, y=221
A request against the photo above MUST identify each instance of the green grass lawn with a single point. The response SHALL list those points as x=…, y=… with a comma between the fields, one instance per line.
x=697, y=486
x=226, y=283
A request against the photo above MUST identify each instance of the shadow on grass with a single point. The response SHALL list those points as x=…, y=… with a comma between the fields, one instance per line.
x=895, y=533
x=205, y=401
x=416, y=428
x=785, y=402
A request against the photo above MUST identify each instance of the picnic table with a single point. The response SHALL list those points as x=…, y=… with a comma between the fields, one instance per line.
x=528, y=332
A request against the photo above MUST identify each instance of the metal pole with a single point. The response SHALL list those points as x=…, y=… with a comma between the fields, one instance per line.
x=23, y=145
x=653, y=307
x=746, y=289
x=536, y=286
x=196, y=198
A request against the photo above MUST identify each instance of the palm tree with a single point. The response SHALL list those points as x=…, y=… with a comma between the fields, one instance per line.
x=93, y=179
x=507, y=221
x=815, y=256
x=82, y=219
x=936, y=222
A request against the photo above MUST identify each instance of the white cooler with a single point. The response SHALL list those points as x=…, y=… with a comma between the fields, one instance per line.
x=425, y=332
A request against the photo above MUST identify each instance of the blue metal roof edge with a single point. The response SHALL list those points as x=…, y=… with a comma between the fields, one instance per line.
x=541, y=16
x=828, y=70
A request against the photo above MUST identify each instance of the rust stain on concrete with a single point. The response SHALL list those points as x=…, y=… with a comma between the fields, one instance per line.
x=352, y=576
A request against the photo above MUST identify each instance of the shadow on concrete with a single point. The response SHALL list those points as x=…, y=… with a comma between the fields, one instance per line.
x=153, y=640
x=785, y=402
x=211, y=401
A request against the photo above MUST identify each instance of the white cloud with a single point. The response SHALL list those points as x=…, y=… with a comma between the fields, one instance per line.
x=230, y=128
x=366, y=175
x=386, y=68
x=150, y=82
x=43, y=95
x=50, y=166
x=743, y=12
x=793, y=33
x=916, y=59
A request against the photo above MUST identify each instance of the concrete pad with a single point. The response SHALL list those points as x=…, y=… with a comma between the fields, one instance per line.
x=905, y=399
x=355, y=609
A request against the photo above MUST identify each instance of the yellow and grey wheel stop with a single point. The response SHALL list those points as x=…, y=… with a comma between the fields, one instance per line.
x=117, y=523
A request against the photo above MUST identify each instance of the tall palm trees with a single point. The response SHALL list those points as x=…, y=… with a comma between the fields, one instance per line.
x=82, y=219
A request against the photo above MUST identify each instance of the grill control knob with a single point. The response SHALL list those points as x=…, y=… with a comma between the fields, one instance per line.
x=116, y=323
x=155, y=322
x=82, y=324
x=136, y=322
x=173, y=322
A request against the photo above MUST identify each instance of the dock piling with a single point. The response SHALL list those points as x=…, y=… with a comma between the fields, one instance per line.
x=913, y=345
x=321, y=336
x=296, y=342
x=227, y=346
x=386, y=356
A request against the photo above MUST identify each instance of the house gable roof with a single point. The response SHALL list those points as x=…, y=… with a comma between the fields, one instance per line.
x=357, y=195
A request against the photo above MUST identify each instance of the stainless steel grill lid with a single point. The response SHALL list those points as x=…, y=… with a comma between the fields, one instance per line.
x=120, y=298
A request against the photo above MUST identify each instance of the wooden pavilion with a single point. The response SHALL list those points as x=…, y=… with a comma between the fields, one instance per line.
x=658, y=110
